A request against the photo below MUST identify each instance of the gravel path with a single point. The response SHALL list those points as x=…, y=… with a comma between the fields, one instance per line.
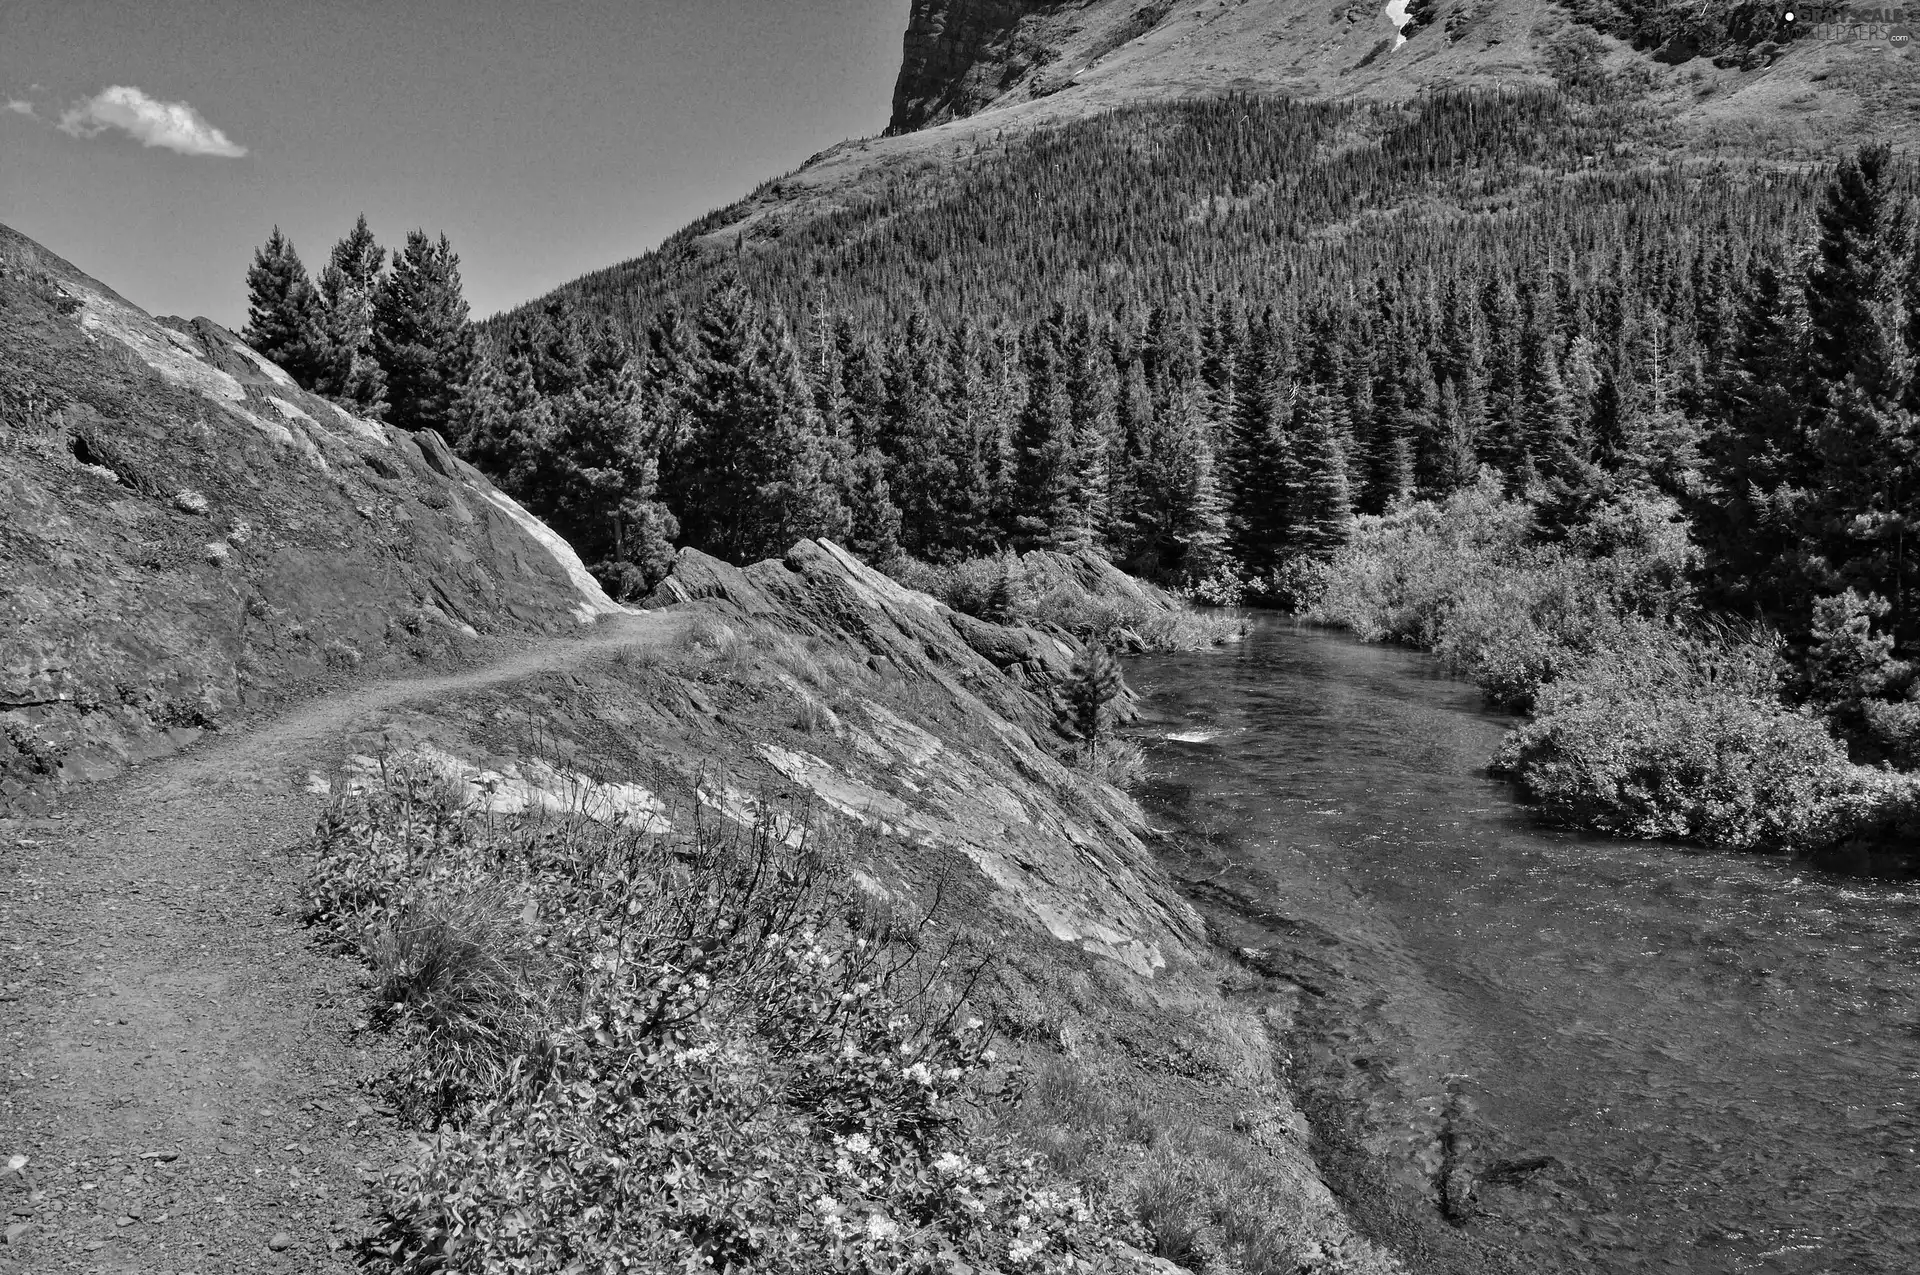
x=181, y=1066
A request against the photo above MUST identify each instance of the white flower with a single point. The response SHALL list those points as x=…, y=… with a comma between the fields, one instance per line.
x=828, y=1206
x=881, y=1227
x=859, y=1145
x=918, y=1073
x=974, y=1024
x=1022, y=1251
x=950, y=1162
x=988, y=1056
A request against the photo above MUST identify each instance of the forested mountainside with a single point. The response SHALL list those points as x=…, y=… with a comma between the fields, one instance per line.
x=1429, y=287
x=980, y=79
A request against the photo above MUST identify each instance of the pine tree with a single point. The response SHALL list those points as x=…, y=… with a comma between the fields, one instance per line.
x=600, y=472
x=284, y=320
x=1044, y=496
x=755, y=473
x=421, y=336
x=1253, y=469
x=1762, y=463
x=1180, y=520
x=914, y=438
x=1091, y=688
x=1318, y=492
x=973, y=449
x=1859, y=324
x=348, y=286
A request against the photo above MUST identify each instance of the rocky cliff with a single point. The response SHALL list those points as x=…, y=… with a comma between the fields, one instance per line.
x=186, y=536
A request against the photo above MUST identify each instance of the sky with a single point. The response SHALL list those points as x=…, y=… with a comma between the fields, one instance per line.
x=155, y=143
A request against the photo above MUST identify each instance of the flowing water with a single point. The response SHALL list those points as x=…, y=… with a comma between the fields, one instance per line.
x=1594, y=1055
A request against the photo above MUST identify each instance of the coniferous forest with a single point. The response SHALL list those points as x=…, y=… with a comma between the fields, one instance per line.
x=1225, y=344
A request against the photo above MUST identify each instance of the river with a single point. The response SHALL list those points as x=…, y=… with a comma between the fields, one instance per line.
x=1572, y=1053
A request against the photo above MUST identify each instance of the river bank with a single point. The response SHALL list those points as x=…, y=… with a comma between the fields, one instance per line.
x=921, y=747
x=1528, y=1048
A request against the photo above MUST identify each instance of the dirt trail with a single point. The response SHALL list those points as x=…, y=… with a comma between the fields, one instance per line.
x=181, y=1066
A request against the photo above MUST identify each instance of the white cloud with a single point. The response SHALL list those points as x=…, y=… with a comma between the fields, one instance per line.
x=20, y=107
x=175, y=126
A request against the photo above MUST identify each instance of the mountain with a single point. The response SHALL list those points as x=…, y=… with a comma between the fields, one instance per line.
x=1115, y=120
x=188, y=537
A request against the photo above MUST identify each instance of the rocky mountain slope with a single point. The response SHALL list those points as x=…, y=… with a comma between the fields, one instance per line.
x=185, y=537
x=962, y=57
x=986, y=84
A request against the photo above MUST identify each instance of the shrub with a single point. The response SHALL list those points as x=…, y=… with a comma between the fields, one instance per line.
x=1680, y=734
x=1471, y=580
x=729, y=1066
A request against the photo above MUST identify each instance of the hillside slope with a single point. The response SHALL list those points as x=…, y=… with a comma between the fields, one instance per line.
x=186, y=536
x=983, y=79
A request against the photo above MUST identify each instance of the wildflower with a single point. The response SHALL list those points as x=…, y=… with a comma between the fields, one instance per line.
x=1022, y=1251
x=950, y=1162
x=974, y=1024
x=918, y=1073
x=881, y=1227
x=827, y=1205
x=859, y=1145
x=988, y=1056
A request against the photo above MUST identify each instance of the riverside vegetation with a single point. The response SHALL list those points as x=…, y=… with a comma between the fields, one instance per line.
x=691, y=1049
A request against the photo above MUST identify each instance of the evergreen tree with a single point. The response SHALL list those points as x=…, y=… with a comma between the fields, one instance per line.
x=421, y=336
x=1859, y=351
x=348, y=287
x=915, y=439
x=1762, y=463
x=1045, y=498
x=1091, y=688
x=284, y=320
x=973, y=449
x=600, y=472
x=1180, y=520
x=1318, y=493
x=1254, y=466
x=756, y=472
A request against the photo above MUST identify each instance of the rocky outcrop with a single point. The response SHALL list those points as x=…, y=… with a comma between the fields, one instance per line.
x=960, y=55
x=186, y=534
x=922, y=755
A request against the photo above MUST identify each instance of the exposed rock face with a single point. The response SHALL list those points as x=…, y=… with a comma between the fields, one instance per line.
x=961, y=55
x=184, y=533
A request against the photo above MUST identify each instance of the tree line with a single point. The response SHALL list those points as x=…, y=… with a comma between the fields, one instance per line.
x=1587, y=333
x=387, y=341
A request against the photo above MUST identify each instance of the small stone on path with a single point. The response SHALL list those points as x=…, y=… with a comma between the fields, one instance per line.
x=280, y=1242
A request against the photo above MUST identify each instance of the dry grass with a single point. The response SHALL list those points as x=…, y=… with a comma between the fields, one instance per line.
x=1119, y=762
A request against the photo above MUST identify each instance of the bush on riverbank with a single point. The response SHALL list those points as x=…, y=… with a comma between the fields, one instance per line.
x=1647, y=719
x=685, y=1052
x=1470, y=580
x=1678, y=733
